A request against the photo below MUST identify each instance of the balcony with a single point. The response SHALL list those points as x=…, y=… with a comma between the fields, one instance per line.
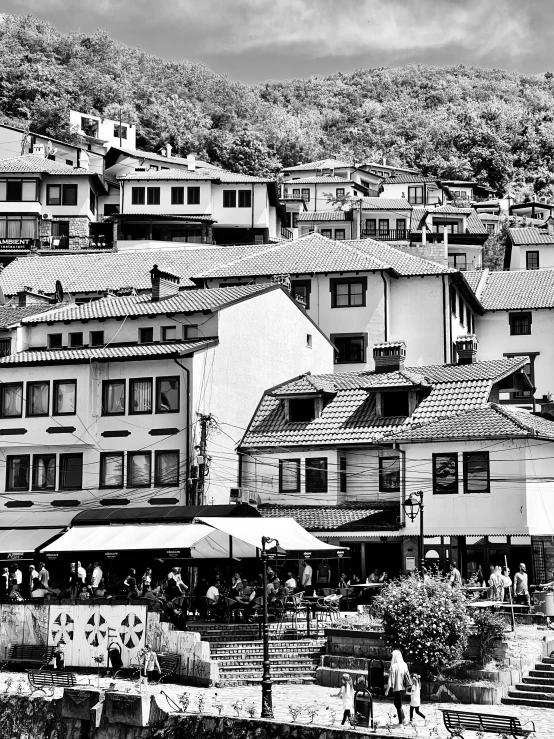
x=298, y=198
x=397, y=234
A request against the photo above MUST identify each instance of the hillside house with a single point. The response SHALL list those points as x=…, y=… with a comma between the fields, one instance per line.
x=529, y=248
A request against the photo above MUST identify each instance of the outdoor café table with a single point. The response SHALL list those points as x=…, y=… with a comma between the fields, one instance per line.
x=484, y=604
x=310, y=601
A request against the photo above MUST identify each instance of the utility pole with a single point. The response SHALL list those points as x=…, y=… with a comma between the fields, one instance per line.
x=201, y=458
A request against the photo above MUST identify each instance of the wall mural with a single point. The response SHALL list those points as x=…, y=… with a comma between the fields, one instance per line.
x=86, y=631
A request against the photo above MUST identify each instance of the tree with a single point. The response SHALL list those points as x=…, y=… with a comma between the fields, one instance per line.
x=427, y=621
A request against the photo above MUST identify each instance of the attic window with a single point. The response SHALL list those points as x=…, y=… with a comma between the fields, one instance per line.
x=301, y=410
x=395, y=404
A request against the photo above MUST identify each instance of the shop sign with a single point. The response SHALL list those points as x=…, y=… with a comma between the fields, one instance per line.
x=111, y=555
x=51, y=555
x=172, y=553
x=340, y=553
x=15, y=242
x=16, y=555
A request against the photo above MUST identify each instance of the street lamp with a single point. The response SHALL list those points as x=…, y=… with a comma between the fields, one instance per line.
x=267, y=697
x=413, y=505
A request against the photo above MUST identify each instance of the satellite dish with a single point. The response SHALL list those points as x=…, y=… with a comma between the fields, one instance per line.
x=59, y=292
x=2, y=298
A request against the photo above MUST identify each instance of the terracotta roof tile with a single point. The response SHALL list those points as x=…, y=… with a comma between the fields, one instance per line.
x=321, y=215
x=518, y=290
x=37, y=164
x=319, y=164
x=386, y=204
x=321, y=180
x=11, y=315
x=530, y=235
x=347, y=517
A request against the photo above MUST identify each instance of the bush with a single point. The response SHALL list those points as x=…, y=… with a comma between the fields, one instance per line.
x=427, y=621
x=489, y=627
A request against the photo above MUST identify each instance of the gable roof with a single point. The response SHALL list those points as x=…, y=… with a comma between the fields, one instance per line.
x=315, y=216
x=530, y=235
x=188, y=301
x=386, y=204
x=200, y=173
x=34, y=164
x=450, y=391
x=517, y=290
x=12, y=315
x=323, y=179
x=409, y=179
x=320, y=164
x=341, y=518
x=153, y=156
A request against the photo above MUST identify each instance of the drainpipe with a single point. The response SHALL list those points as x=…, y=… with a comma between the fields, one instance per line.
x=187, y=425
x=402, y=453
x=444, y=304
x=385, y=296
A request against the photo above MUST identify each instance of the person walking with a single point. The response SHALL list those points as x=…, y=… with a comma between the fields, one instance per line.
x=521, y=586
x=455, y=578
x=496, y=584
x=307, y=575
x=43, y=574
x=346, y=693
x=415, y=697
x=399, y=682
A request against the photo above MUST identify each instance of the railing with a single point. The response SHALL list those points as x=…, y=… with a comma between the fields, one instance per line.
x=288, y=196
x=286, y=233
x=398, y=234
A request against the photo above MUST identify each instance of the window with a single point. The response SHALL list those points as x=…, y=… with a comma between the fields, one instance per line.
x=301, y=410
x=300, y=290
x=389, y=474
x=193, y=195
x=476, y=472
x=340, y=234
x=92, y=201
x=340, y=192
x=167, y=395
x=152, y=195
x=38, y=398
x=415, y=195
x=5, y=347
x=137, y=195
x=18, y=190
x=348, y=292
x=169, y=333
x=229, y=198
x=166, y=469
x=453, y=301
x=53, y=195
x=110, y=209
x=17, y=472
x=458, y=261
x=113, y=398
x=76, y=339
x=289, y=475
x=445, y=474
x=18, y=227
x=44, y=472
x=296, y=192
x=96, y=338
x=14, y=190
x=111, y=470
x=327, y=232
x=349, y=348
x=139, y=472
x=119, y=131
x=146, y=335
x=140, y=396
x=306, y=194
x=400, y=224
x=54, y=341
x=64, y=394
x=71, y=471
x=190, y=331
x=371, y=225
x=491, y=230
x=342, y=475
x=531, y=259
x=245, y=198
x=395, y=403
x=383, y=226
x=520, y=324
x=316, y=475
x=177, y=196
x=452, y=227
x=12, y=399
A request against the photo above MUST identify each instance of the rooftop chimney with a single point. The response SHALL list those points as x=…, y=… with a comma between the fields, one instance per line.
x=164, y=284
x=38, y=150
x=191, y=162
x=168, y=150
x=389, y=356
x=466, y=348
x=83, y=159
x=283, y=280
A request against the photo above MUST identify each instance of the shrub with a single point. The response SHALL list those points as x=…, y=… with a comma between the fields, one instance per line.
x=426, y=620
x=488, y=627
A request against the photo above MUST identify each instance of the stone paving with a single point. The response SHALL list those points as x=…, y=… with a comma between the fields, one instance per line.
x=308, y=696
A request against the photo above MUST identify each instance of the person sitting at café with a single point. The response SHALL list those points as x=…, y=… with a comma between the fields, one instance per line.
x=38, y=590
x=212, y=593
x=353, y=580
x=236, y=580
x=84, y=593
x=374, y=577
x=290, y=583
x=384, y=577
x=247, y=597
x=343, y=581
x=236, y=586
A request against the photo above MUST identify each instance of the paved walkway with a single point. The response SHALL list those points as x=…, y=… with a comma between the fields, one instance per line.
x=308, y=697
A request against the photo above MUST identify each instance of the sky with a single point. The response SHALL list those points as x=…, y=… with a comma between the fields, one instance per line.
x=257, y=40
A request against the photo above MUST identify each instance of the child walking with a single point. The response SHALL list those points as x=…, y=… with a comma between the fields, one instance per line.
x=346, y=692
x=415, y=700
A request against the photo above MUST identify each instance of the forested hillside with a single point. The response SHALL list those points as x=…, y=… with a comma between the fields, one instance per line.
x=458, y=121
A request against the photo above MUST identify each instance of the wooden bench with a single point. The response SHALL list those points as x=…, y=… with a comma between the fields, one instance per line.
x=456, y=721
x=42, y=679
x=38, y=654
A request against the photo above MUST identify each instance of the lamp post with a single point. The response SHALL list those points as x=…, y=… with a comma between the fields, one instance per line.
x=412, y=506
x=267, y=697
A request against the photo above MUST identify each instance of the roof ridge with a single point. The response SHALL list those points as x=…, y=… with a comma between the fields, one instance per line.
x=504, y=412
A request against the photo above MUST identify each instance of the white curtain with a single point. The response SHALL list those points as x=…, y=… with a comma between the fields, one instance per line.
x=12, y=400
x=142, y=396
x=112, y=470
x=38, y=398
x=66, y=397
x=45, y=472
x=139, y=470
x=115, y=397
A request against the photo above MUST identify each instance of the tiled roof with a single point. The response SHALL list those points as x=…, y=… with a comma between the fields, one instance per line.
x=91, y=273
x=188, y=301
x=11, y=315
x=530, y=235
x=322, y=215
x=319, y=164
x=347, y=517
x=322, y=179
x=404, y=264
x=204, y=218
x=114, y=353
x=200, y=173
x=418, y=219
x=37, y=164
x=385, y=204
x=152, y=156
x=350, y=417
x=408, y=179
x=474, y=225
x=453, y=209
x=473, y=278
x=518, y=290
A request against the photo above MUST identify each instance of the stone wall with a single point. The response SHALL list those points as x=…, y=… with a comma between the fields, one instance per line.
x=79, y=229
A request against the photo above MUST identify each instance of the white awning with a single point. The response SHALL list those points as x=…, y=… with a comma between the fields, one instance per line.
x=16, y=541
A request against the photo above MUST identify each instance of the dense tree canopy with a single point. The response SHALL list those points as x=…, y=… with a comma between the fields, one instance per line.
x=495, y=126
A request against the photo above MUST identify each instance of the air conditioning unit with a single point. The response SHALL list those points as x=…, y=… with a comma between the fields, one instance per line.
x=243, y=495
x=47, y=216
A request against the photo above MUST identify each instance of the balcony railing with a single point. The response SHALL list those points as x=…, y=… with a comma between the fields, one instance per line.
x=289, y=196
x=397, y=234
x=286, y=233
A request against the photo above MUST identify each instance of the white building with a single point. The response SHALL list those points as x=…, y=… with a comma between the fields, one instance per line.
x=529, y=248
x=103, y=133
x=344, y=452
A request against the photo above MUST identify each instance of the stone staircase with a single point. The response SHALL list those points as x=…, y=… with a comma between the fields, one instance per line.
x=238, y=649
x=537, y=689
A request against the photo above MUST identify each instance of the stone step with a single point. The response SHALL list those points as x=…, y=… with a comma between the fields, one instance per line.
x=254, y=664
x=535, y=702
x=282, y=671
x=538, y=681
x=273, y=648
x=232, y=682
x=274, y=657
x=548, y=660
x=544, y=666
x=541, y=673
x=538, y=687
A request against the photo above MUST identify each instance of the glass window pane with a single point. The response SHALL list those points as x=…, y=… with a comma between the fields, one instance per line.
x=316, y=475
x=2, y=190
x=38, y=398
x=445, y=473
x=44, y=472
x=141, y=396
x=3, y=228
x=54, y=195
x=28, y=229
x=12, y=401
x=167, y=468
x=29, y=190
x=167, y=399
x=114, y=397
x=70, y=194
x=341, y=294
x=290, y=469
x=14, y=228
x=71, y=471
x=18, y=473
x=111, y=470
x=477, y=472
x=64, y=397
x=389, y=474
x=139, y=470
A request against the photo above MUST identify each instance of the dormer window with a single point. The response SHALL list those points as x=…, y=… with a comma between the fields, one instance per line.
x=395, y=403
x=301, y=410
